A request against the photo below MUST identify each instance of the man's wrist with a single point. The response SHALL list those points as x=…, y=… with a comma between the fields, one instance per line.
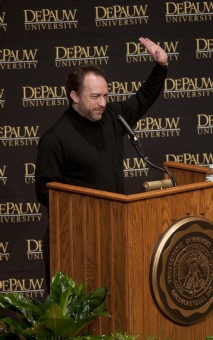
x=162, y=65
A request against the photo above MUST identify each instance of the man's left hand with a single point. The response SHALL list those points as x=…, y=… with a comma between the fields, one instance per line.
x=156, y=52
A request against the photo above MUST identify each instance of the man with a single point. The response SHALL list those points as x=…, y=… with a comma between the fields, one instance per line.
x=85, y=146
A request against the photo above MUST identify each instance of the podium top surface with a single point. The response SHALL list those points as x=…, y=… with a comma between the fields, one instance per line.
x=181, y=169
x=128, y=198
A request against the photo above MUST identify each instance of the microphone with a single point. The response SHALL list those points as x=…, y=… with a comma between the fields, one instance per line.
x=129, y=130
x=154, y=185
x=136, y=143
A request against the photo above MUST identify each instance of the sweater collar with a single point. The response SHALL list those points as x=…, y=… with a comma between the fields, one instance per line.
x=80, y=119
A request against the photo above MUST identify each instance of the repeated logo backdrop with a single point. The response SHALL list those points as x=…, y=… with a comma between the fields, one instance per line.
x=41, y=42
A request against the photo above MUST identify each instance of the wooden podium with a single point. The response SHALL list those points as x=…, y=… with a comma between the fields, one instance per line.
x=109, y=239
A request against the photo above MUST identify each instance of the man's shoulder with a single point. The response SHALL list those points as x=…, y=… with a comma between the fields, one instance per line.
x=59, y=124
x=59, y=129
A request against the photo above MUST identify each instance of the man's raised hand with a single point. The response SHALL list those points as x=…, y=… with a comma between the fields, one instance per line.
x=156, y=52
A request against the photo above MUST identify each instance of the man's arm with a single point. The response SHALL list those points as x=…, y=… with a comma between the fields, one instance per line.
x=50, y=165
x=135, y=107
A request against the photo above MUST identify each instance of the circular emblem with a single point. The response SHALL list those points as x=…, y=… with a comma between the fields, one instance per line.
x=181, y=274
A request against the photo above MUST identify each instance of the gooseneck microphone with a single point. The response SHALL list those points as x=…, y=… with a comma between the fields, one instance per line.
x=129, y=130
x=136, y=143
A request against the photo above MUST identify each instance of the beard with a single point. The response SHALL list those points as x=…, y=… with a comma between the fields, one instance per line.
x=94, y=114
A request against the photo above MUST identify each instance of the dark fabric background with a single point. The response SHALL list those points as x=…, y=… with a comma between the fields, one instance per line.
x=178, y=127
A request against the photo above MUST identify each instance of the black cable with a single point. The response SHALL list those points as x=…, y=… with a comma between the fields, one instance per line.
x=135, y=143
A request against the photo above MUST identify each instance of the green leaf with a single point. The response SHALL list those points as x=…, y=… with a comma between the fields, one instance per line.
x=3, y=325
x=81, y=289
x=60, y=283
x=98, y=294
x=64, y=300
x=56, y=321
x=39, y=329
x=15, y=325
x=12, y=328
x=41, y=307
x=20, y=304
x=47, y=303
x=78, y=325
x=82, y=310
x=95, y=297
x=71, y=305
x=100, y=308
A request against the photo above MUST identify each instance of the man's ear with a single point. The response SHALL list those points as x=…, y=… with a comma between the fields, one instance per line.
x=74, y=97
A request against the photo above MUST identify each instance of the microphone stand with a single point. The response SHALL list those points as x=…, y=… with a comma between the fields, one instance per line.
x=136, y=143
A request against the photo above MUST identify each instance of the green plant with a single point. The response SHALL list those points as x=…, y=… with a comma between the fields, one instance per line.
x=123, y=336
x=65, y=312
x=209, y=337
x=159, y=336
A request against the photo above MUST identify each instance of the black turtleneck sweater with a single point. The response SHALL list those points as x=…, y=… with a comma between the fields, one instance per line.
x=80, y=152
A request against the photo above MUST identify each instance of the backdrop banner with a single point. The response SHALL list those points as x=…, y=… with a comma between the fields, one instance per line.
x=42, y=41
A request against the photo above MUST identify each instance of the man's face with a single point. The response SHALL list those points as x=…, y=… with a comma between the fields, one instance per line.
x=90, y=103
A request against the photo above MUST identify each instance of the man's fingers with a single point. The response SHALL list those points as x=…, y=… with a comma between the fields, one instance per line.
x=157, y=55
x=150, y=41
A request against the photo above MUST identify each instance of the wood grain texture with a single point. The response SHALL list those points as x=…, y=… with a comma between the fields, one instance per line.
x=109, y=239
x=186, y=173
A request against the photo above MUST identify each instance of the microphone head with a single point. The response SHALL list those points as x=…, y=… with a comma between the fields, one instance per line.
x=155, y=185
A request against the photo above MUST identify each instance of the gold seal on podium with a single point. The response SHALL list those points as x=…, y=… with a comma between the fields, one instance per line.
x=181, y=275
